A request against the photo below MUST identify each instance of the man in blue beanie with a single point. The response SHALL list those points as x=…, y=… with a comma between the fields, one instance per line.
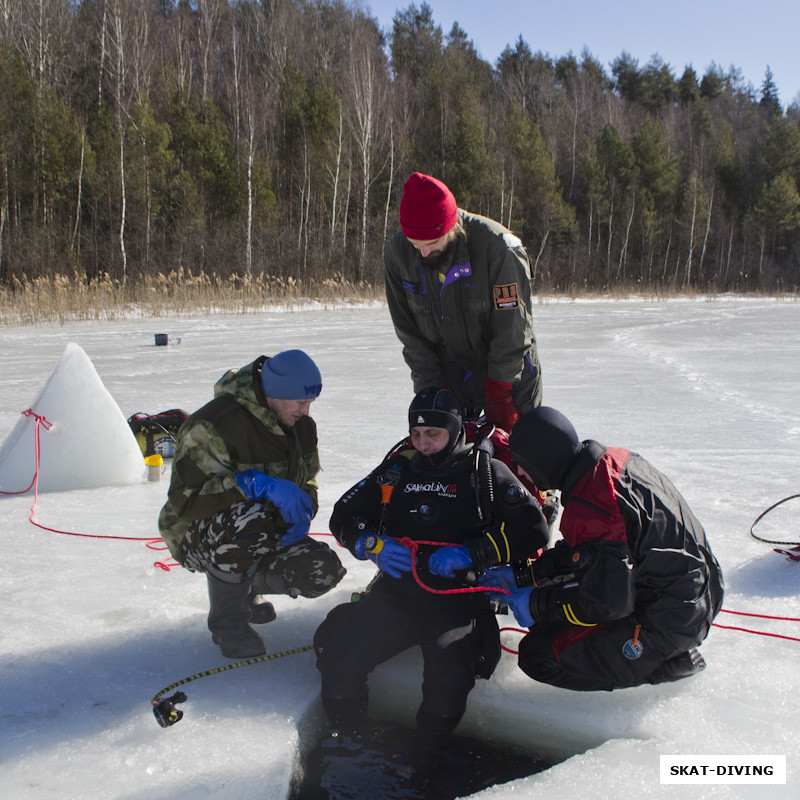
x=630, y=592
x=242, y=496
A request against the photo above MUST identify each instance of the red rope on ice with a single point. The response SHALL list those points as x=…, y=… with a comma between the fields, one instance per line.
x=793, y=554
x=154, y=543
x=514, y=630
x=758, y=633
x=759, y=616
x=39, y=420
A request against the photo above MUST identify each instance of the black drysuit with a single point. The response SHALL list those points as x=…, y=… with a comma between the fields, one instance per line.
x=457, y=632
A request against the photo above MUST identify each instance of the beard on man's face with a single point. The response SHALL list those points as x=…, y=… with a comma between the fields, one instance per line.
x=437, y=258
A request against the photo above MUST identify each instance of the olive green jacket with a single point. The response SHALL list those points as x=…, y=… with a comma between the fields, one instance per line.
x=231, y=434
x=475, y=325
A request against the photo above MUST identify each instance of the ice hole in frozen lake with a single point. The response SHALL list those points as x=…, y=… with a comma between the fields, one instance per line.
x=384, y=762
x=489, y=746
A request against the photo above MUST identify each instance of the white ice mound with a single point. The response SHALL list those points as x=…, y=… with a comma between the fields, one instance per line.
x=90, y=443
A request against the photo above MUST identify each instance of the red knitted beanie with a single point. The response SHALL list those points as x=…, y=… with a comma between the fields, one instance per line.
x=428, y=209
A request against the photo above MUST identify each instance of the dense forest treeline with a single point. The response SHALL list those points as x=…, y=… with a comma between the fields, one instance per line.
x=253, y=138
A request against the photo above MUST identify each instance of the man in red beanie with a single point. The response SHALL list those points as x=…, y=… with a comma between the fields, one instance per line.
x=458, y=287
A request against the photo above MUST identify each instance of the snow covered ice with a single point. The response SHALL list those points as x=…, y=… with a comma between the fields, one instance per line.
x=707, y=390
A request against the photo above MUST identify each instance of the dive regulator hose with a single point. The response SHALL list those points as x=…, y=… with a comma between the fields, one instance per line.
x=764, y=514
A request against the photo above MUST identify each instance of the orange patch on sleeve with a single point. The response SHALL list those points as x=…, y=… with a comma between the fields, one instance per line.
x=506, y=297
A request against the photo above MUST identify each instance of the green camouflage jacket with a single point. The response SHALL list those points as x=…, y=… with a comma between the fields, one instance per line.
x=474, y=325
x=231, y=434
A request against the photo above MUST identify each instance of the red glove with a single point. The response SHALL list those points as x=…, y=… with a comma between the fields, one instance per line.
x=499, y=407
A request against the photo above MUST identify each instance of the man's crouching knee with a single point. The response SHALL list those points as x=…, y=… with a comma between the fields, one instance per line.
x=310, y=570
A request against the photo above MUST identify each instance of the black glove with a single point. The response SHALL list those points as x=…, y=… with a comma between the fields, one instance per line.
x=560, y=562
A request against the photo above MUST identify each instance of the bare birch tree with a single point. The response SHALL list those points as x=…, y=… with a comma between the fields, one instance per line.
x=209, y=18
x=367, y=92
x=41, y=29
x=128, y=30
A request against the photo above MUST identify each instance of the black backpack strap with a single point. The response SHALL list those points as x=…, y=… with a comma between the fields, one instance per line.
x=484, y=482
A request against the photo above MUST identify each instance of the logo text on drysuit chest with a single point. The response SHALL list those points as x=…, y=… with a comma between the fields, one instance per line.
x=437, y=487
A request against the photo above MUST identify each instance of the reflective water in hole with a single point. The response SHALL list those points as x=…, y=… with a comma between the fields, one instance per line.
x=385, y=762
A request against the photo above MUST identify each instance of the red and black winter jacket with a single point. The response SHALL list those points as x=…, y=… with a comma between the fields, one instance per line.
x=631, y=546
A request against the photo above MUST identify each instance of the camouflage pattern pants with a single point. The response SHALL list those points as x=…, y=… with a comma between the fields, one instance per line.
x=241, y=544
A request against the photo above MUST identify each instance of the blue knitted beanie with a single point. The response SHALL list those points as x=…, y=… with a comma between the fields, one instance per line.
x=291, y=375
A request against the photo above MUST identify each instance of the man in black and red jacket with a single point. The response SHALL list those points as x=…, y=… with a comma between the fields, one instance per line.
x=630, y=592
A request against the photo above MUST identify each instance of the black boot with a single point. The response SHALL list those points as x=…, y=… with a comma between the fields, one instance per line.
x=229, y=619
x=260, y=612
x=677, y=667
x=347, y=714
x=264, y=583
x=434, y=731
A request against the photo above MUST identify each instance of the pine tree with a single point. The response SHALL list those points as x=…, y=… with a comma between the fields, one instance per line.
x=627, y=76
x=688, y=87
x=770, y=101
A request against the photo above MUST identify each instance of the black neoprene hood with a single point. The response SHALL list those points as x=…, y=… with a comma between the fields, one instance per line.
x=544, y=443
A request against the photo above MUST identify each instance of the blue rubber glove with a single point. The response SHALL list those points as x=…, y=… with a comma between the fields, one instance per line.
x=519, y=601
x=446, y=560
x=391, y=557
x=296, y=533
x=502, y=577
x=293, y=503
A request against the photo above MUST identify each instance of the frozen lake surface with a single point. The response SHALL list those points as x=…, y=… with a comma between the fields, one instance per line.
x=707, y=390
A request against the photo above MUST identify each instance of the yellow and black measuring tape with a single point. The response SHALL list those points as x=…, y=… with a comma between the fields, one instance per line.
x=164, y=710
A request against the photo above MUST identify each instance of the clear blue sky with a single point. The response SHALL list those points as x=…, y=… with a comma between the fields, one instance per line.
x=748, y=35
